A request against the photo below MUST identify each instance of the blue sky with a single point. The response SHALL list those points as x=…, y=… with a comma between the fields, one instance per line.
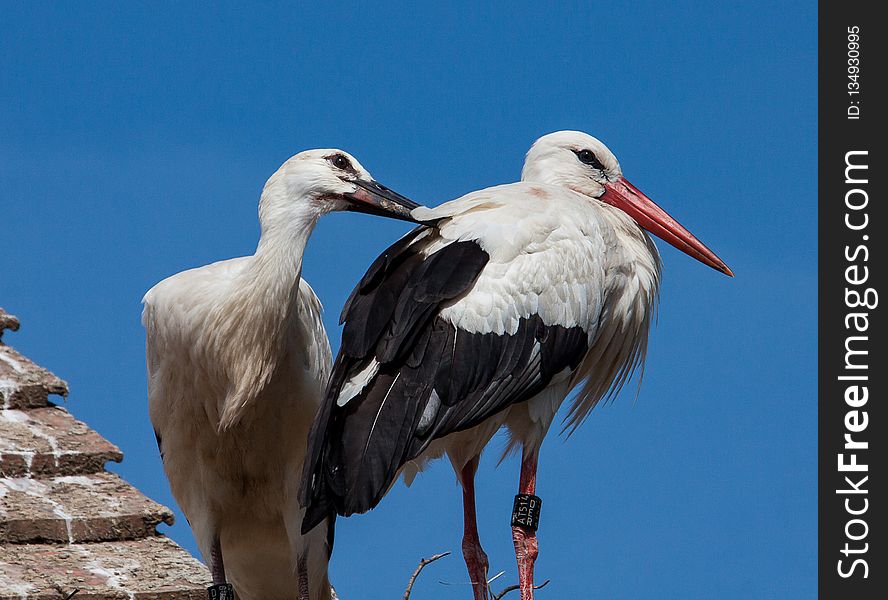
x=135, y=139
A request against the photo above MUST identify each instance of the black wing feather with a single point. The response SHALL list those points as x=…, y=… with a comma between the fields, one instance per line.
x=430, y=371
x=370, y=306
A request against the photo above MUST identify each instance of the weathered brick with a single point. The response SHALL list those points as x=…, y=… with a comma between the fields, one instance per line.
x=65, y=523
x=153, y=568
x=23, y=384
x=79, y=508
x=7, y=321
x=48, y=441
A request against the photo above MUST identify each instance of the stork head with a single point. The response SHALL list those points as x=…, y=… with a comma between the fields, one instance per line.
x=571, y=159
x=316, y=182
x=582, y=163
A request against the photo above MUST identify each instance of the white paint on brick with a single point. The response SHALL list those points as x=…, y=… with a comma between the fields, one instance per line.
x=36, y=489
x=21, y=417
x=7, y=388
x=14, y=587
x=113, y=577
x=16, y=365
x=77, y=480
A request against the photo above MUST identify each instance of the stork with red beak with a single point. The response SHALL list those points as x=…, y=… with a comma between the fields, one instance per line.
x=508, y=300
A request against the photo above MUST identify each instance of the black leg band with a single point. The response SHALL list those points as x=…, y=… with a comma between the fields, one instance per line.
x=526, y=511
x=221, y=591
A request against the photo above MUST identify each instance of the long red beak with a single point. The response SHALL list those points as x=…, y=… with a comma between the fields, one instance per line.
x=649, y=216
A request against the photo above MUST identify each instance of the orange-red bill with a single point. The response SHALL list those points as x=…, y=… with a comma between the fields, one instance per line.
x=649, y=216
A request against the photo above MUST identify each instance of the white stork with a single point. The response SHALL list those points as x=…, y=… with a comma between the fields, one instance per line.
x=513, y=297
x=238, y=360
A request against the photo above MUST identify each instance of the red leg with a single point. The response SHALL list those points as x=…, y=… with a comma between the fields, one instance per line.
x=476, y=559
x=525, y=540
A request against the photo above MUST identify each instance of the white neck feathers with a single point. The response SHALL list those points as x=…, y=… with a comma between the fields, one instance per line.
x=262, y=310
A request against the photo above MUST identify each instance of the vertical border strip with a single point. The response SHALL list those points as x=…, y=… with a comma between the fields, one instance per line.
x=853, y=224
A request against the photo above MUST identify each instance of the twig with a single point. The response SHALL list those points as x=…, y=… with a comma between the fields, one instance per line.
x=512, y=588
x=495, y=577
x=422, y=565
x=72, y=594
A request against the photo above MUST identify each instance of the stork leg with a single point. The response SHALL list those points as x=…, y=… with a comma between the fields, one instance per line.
x=303, y=592
x=218, y=566
x=476, y=559
x=221, y=589
x=524, y=538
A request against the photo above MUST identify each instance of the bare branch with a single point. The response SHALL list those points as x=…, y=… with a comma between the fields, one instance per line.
x=422, y=565
x=512, y=588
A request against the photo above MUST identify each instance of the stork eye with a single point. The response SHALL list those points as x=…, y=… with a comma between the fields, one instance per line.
x=588, y=157
x=340, y=162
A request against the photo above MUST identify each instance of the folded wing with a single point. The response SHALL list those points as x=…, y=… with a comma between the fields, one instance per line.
x=424, y=355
